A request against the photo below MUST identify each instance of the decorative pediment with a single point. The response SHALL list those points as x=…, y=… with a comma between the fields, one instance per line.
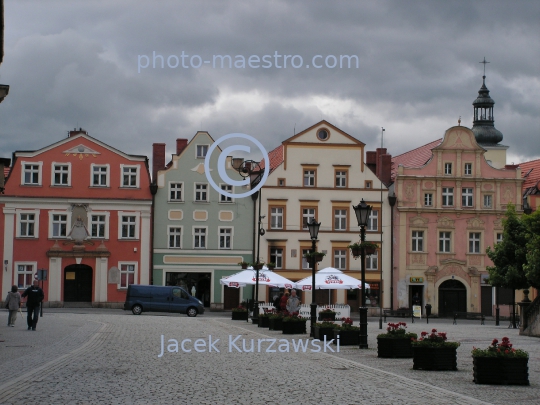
x=497, y=224
x=431, y=271
x=453, y=261
x=445, y=222
x=81, y=151
x=473, y=271
x=419, y=222
x=199, y=168
x=475, y=223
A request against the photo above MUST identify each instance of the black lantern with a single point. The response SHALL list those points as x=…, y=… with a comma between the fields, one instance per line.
x=313, y=227
x=362, y=211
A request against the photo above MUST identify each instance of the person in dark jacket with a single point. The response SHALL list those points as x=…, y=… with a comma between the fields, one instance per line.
x=13, y=303
x=283, y=302
x=35, y=296
x=277, y=302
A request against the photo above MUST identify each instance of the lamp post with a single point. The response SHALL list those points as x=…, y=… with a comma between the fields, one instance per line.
x=362, y=211
x=313, y=227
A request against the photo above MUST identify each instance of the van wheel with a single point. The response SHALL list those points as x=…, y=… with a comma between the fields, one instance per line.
x=192, y=311
x=136, y=309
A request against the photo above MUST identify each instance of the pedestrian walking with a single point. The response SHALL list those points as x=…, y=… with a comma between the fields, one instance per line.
x=33, y=303
x=13, y=304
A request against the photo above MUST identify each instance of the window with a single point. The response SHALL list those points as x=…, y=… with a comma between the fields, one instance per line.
x=428, y=199
x=340, y=220
x=98, y=226
x=61, y=175
x=100, y=176
x=468, y=169
x=276, y=218
x=448, y=168
x=32, y=174
x=323, y=134
x=444, y=242
x=467, y=197
x=201, y=192
x=281, y=182
x=309, y=178
x=27, y=225
x=447, y=196
x=340, y=259
x=276, y=256
x=369, y=184
x=372, y=261
x=128, y=224
x=175, y=237
x=201, y=151
x=373, y=220
x=488, y=201
x=223, y=198
x=25, y=275
x=127, y=275
x=305, y=262
x=341, y=178
x=417, y=241
x=59, y=226
x=498, y=237
x=199, y=238
x=175, y=191
x=474, y=242
x=308, y=215
x=225, y=236
x=130, y=176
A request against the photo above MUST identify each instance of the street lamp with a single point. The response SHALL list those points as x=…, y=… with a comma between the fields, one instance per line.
x=313, y=227
x=362, y=211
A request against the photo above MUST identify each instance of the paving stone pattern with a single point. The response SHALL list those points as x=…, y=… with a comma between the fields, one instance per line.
x=111, y=357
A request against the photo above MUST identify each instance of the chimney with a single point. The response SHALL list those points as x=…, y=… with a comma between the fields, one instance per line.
x=77, y=132
x=380, y=152
x=371, y=160
x=158, y=159
x=385, y=168
x=181, y=144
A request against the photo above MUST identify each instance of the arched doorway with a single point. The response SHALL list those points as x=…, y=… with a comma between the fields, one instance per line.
x=78, y=283
x=452, y=298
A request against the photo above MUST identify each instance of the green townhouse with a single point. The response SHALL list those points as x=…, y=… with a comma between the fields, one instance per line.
x=199, y=235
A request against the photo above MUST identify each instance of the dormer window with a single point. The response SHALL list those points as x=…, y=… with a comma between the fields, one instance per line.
x=201, y=151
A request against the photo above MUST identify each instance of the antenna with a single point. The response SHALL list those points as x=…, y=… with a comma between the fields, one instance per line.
x=382, y=137
x=294, y=129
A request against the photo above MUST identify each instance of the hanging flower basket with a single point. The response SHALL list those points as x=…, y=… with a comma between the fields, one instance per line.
x=317, y=255
x=257, y=266
x=369, y=248
x=244, y=265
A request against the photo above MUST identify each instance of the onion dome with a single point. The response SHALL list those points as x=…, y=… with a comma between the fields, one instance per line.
x=484, y=123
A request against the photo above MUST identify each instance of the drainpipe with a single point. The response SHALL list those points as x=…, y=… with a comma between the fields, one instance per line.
x=153, y=191
x=392, y=201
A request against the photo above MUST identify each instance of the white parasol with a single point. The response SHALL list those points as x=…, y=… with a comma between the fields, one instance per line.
x=330, y=279
x=249, y=277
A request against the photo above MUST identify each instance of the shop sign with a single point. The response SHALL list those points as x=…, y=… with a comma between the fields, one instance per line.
x=416, y=279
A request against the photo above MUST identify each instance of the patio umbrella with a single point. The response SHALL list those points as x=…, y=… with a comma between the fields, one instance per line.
x=330, y=279
x=249, y=277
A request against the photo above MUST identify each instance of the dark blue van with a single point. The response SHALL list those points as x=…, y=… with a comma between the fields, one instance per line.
x=159, y=298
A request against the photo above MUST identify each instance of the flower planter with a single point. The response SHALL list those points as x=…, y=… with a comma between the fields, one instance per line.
x=347, y=337
x=327, y=315
x=320, y=333
x=356, y=252
x=275, y=324
x=501, y=370
x=434, y=358
x=394, y=348
x=264, y=321
x=293, y=328
x=369, y=251
x=239, y=315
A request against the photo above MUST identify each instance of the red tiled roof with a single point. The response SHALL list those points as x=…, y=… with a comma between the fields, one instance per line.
x=414, y=158
x=276, y=158
x=532, y=172
x=6, y=171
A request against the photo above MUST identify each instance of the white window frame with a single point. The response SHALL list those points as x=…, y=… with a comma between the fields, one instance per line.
x=447, y=196
x=51, y=224
x=373, y=221
x=229, y=235
x=467, y=197
x=417, y=241
x=39, y=173
x=309, y=177
x=121, y=215
x=201, y=148
x=276, y=217
x=36, y=224
x=223, y=199
x=195, y=235
x=171, y=233
x=428, y=199
x=340, y=258
x=372, y=261
x=447, y=168
x=308, y=217
x=54, y=167
x=475, y=243
x=135, y=271
x=444, y=239
x=91, y=223
x=207, y=191
x=107, y=175
x=490, y=198
x=467, y=169
x=498, y=237
x=277, y=257
x=341, y=179
x=130, y=175
x=340, y=219
x=26, y=272
x=173, y=188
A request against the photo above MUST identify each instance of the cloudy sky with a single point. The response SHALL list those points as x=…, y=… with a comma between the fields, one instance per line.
x=91, y=64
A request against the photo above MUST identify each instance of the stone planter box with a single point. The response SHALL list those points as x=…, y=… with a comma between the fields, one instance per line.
x=293, y=328
x=239, y=316
x=327, y=315
x=347, y=337
x=320, y=333
x=501, y=371
x=264, y=321
x=394, y=348
x=275, y=324
x=434, y=358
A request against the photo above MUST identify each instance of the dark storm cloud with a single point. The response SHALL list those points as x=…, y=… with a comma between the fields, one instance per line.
x=75, y=63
